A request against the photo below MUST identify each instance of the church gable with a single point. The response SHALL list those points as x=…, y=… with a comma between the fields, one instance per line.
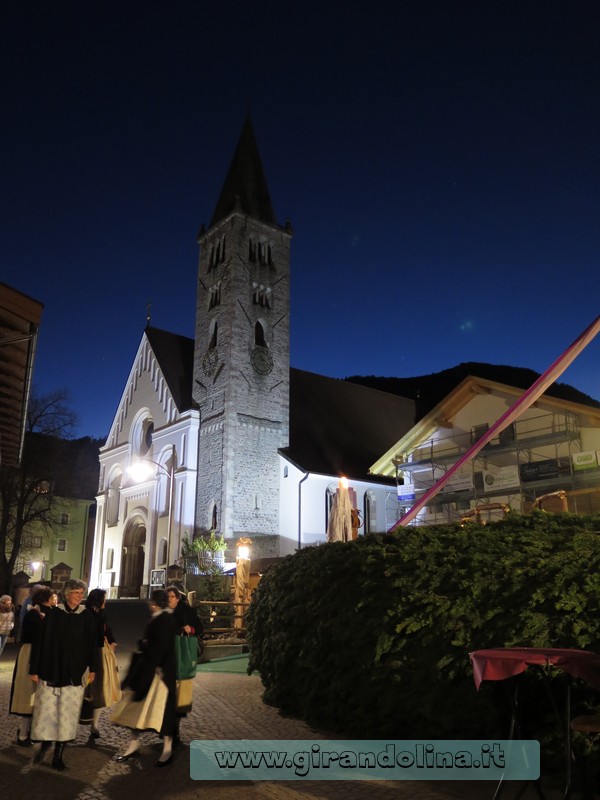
x=156, y=369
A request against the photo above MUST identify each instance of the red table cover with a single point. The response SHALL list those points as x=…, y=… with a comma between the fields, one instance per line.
x=499, y=663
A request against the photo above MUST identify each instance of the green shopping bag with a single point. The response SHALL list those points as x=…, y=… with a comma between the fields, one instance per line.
x=186, y=651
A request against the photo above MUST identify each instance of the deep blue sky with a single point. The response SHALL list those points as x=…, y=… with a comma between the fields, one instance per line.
x=439, y=161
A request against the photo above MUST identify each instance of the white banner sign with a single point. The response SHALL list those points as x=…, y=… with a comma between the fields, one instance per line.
x=460, y=480
x=504, y=478
x=406, y=492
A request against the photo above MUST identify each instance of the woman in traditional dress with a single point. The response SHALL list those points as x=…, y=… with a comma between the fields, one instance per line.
x=106, y=689
x=22, y=691
x=188, y=624
x=154, y=664
x=63, y=659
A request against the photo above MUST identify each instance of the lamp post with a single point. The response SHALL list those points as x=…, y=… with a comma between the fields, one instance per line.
x=141, y=470
x=35, y=565
x=242, y=579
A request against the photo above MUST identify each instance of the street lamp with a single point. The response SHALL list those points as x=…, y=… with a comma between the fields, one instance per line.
x=142, y=470
x=242, y=579
x=35, y=565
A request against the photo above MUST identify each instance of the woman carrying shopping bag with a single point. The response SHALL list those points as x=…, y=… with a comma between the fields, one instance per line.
x=186, y=647
x=149, y=696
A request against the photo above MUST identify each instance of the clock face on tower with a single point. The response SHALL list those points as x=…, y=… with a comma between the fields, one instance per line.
x=210, y=360
x=261, y=360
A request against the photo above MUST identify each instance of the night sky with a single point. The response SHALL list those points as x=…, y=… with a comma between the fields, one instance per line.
x=439, y=161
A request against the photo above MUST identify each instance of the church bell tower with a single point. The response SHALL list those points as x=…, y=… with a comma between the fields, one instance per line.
x=242, y=355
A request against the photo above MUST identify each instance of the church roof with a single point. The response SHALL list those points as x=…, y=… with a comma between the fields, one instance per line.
x=245, y=186
x=336, y=427
x=175, y=355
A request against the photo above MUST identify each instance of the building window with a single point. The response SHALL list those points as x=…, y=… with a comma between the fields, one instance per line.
x=261, y=252
x=30, y=542
x=214, y=296
x=213, y=335
x=477, y=431
x=142, y=434
x=109, y=559
x=329, y=495
x=217, y=254
x=262, y=296
x=507, y=436
x=259, y=335
x=162, y=553
x=61, y=546
x=285, y=472
x=369, y=512
x=63, y=519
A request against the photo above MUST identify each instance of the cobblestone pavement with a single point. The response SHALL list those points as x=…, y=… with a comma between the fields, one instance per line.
x=226, y=706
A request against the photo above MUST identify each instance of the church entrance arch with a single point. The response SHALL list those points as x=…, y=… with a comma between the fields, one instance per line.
x=132, y=559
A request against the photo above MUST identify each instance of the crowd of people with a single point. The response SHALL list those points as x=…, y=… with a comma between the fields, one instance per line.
x=66, y=672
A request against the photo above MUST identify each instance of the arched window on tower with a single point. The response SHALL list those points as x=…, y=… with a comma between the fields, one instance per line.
x=214, y=296
x=217, y=254
x=259, y=335
x=261, y=296
x=213, y=335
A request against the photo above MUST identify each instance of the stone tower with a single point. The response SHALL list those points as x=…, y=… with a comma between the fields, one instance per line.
x=241, y=356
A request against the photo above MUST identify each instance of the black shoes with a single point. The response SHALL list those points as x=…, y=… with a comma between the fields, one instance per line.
x=24, y=742
x=39, y=755
x=128, y=757
x=57, y=761
x=94, y=733
x=165, y=763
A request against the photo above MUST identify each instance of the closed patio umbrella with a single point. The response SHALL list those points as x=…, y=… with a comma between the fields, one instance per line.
x=339, y=525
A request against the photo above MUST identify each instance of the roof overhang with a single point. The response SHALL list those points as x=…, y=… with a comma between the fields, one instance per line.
x=19, y=324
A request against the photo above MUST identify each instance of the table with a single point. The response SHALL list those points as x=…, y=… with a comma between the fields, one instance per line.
x=500, y=663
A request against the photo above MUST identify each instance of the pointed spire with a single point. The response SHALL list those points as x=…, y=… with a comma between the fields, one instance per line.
x=245, y=188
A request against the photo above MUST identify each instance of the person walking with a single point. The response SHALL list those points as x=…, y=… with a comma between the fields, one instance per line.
x=150, y=700
x=63, y=659
x=106, y=689
x=28, y=602
x=7, y=619
x=22, y=691
x=187, y=624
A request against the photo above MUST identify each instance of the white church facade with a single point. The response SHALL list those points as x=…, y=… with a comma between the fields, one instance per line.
x=219, y=432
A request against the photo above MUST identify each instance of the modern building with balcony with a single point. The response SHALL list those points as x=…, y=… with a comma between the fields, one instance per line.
x=549, y=457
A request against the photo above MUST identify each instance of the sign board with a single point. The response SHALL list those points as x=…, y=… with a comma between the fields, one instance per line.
x=504, y=478
x=158, y=577
x=406, y=492
x=585, y=460
x=459, y=481
x=539, y=470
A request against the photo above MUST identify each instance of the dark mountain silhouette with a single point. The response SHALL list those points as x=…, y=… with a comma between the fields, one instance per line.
x=428, y=390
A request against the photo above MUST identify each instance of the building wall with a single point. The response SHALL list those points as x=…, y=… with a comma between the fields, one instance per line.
x=69, y=533
x=125, y=505
x=307, y=525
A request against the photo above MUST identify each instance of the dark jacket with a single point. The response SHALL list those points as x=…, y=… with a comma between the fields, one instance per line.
x=66, y=647
x=184, y=614
x=157, y=650
x=102, y=629
x=32, y=624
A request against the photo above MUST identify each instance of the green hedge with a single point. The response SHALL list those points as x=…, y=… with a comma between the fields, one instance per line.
x=371, y=638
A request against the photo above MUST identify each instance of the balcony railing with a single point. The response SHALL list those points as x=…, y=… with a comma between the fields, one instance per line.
x=529, y=432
